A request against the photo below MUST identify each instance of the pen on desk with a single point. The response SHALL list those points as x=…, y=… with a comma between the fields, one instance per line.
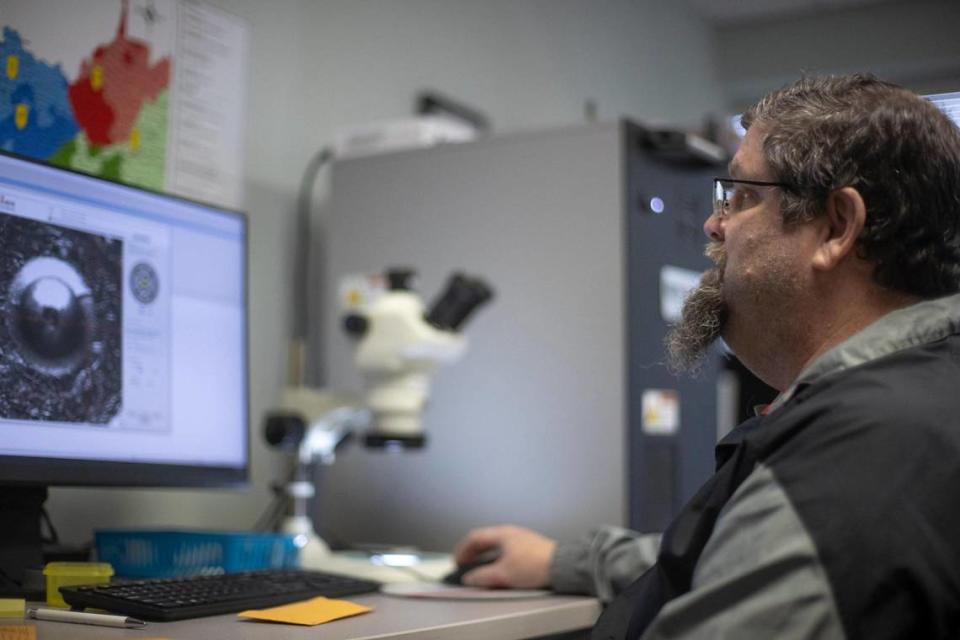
x=80, y=617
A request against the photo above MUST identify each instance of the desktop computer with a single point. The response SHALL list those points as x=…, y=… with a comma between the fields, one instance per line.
x=123, y=345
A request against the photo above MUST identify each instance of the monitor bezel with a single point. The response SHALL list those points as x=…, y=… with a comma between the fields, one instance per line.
x=25, y=471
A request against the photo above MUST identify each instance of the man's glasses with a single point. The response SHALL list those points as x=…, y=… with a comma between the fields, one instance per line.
x=732, y=196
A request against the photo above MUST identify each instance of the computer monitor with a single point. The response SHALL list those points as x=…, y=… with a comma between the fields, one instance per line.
x=123, y=339
x=949, y=103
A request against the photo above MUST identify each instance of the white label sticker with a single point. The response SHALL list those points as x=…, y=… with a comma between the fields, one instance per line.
x=675, y=285
x=661, y=412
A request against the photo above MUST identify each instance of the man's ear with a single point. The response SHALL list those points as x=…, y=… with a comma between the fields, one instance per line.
x=845, y=215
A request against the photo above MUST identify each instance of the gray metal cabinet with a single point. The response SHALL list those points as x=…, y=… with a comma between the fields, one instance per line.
x=540, y=423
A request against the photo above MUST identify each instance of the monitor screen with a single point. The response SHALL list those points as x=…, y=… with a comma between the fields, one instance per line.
x=949, y=103
x=123, y=339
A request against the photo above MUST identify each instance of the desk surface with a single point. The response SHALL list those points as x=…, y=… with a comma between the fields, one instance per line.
x=396, y=618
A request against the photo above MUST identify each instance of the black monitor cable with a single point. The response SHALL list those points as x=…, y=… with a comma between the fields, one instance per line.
x=52, y=537
x=6, y=579
x=273, y=514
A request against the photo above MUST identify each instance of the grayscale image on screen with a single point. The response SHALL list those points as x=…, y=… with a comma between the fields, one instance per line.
x=61, y=300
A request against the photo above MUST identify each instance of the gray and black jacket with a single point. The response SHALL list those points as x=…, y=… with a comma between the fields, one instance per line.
x=837, y=515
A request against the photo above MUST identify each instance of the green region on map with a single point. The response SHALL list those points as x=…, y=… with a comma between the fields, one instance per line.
x=140, y=163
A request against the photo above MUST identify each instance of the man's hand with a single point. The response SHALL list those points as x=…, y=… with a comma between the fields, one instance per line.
x=523, y=563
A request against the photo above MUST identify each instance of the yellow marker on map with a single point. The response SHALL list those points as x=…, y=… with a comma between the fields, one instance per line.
x=20, y=115
x=96, y=77
x=134, y=140
x=13, y=66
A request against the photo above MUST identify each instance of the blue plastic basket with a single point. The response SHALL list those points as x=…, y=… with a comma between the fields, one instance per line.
x=167, y=553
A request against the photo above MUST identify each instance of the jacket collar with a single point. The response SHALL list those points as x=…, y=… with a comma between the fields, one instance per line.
x=918, y=324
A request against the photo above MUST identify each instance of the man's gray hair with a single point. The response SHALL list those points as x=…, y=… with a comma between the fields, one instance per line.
x=899, y=151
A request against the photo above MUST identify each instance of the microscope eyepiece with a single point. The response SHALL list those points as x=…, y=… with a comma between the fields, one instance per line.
x=462, y=296
x=401, y=278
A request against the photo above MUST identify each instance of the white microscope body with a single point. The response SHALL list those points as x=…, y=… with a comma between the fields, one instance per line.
x=399, y=347
x=397, y=356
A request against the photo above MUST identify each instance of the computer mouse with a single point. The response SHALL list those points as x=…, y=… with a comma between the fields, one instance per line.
x=455, y=577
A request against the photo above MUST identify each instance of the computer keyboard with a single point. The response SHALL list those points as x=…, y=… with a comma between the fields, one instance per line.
x=197, y=596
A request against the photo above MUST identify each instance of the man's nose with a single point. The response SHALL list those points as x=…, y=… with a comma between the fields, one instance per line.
x=713, y=228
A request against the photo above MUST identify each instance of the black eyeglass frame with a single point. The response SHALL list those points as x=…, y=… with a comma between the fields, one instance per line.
x=717, y=182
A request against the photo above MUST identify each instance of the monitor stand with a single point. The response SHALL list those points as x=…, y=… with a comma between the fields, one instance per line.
x=21, y=543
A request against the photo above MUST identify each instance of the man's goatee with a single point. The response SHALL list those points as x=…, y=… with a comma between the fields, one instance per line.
x=702, y=319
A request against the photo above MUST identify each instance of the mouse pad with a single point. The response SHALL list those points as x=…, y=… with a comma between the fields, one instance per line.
x=439, y=591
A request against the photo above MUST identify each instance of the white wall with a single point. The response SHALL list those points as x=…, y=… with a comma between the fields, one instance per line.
x=317, y=66
x=911, y=42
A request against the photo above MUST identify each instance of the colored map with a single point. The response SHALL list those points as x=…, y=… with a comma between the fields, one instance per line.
x=35, y=113
x=110, y=120
x=146, y=92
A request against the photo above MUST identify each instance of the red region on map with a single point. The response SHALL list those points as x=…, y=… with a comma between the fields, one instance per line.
x=113, y=85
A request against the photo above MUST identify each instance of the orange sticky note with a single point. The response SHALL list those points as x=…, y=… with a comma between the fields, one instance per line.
x=18, y=632
x=309, y=612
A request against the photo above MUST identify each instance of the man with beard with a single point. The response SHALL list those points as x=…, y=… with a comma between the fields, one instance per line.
x=833, y=513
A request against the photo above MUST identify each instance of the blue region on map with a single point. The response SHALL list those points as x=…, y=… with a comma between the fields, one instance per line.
x=42, y=88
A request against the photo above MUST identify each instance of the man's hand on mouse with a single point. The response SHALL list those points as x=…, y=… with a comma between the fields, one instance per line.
x=523, y=562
